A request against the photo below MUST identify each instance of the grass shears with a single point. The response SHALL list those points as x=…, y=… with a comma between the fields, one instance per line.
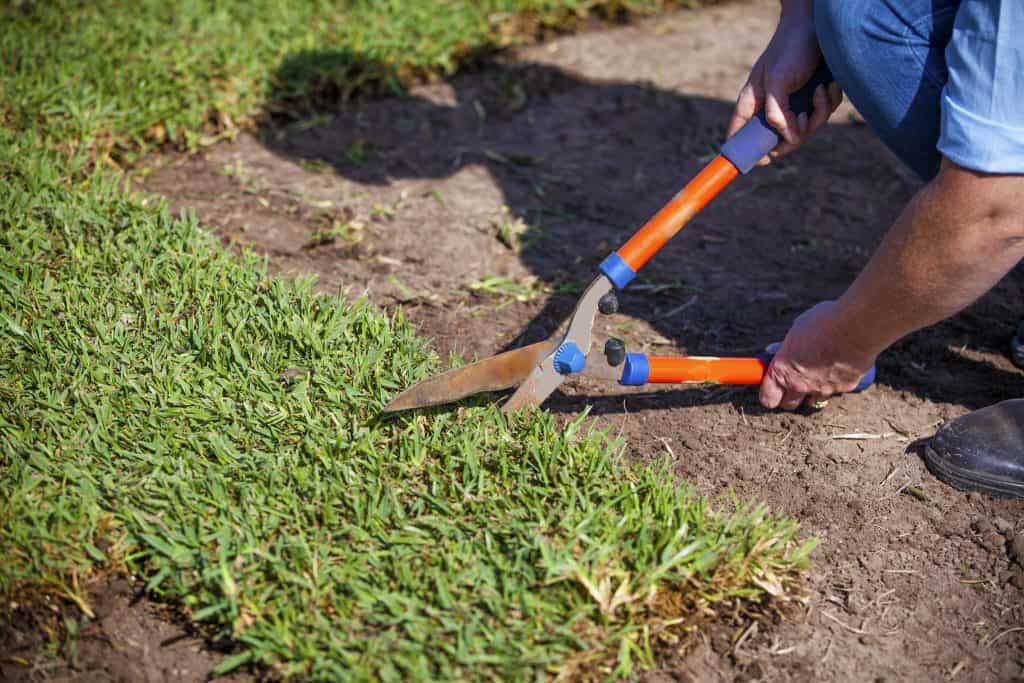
x=539, y=369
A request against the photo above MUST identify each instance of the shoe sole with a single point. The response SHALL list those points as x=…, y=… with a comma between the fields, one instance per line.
x=968, y=480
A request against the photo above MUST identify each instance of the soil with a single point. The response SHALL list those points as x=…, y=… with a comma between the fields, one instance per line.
x=481, y=205
x=131, y=639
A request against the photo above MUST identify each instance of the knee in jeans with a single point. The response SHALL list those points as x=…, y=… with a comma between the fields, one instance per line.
x=840, y=24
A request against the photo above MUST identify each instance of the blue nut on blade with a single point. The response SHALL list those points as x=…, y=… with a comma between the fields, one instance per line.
x=569, y=359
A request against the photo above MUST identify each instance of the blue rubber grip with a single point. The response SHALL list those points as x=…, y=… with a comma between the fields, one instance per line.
x=757, y=138
x=866, y=381
x=617, y=270
x=635, y=371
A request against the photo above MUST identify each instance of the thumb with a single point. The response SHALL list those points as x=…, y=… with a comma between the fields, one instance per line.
x=771, y=392
x=749, y=101
x=777, y=111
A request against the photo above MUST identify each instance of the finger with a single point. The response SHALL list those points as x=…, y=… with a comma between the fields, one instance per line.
x=822, y=109
x=784, y=147
x=771, y=393
x=778, y=113
x=750, y=99
x=792, y=400
x=802, y=124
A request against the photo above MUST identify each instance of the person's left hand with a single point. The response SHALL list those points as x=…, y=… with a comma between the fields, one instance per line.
x=812, y=362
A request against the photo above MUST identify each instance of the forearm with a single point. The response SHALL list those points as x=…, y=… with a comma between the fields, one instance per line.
x=958, y=236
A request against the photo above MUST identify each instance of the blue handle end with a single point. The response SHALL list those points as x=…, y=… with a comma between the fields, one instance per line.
x=756, y=138
x=635, y=371
x=617, y=270
x=867, y=380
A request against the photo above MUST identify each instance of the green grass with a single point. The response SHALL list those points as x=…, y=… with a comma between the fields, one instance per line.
x=171, y=411
x=124, y=75
x=218, y=432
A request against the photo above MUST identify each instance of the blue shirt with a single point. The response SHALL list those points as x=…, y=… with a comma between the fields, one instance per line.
x=982, y=120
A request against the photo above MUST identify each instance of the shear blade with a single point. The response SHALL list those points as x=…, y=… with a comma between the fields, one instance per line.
x=537, y=387
x=491, y=374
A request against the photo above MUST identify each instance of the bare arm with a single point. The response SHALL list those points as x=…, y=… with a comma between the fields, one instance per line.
x=958, y=236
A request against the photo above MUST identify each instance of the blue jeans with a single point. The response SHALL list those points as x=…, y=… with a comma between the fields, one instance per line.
x=934, y=78
x=889, y=58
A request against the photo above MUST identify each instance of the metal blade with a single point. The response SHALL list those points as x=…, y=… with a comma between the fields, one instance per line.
x=545, y=379
x=538, y=386
x=491, y=374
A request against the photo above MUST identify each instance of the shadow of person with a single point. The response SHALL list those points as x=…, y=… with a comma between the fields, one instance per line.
x=581, y=163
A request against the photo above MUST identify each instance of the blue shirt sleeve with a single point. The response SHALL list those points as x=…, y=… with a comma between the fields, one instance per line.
x=982, y=124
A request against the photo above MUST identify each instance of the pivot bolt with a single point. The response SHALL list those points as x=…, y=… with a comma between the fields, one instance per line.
x=569, y=359
x=609, y=303
x=614, y=351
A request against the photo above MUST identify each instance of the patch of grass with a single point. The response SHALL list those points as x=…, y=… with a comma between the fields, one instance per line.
x=127, y=75
x=170, y=410
x=148, y=423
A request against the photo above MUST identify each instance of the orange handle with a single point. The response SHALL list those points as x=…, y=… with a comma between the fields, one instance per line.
x=678, y=212
x=676, y=369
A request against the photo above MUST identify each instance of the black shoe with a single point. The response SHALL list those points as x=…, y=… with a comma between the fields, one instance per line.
x=982, y=451
x=1017, y=347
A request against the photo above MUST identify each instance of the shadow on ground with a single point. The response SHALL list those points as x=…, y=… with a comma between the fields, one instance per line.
x=581, y=162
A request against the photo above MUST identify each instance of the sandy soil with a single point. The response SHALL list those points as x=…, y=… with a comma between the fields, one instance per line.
x=568, y=146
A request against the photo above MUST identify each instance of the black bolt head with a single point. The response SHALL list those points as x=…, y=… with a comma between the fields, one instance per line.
x=609, y=303
x=615, y=351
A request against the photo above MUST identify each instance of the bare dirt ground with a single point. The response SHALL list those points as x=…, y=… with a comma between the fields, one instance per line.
x=482, y=204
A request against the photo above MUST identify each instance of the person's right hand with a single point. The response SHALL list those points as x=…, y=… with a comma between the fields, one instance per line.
x=786, y=64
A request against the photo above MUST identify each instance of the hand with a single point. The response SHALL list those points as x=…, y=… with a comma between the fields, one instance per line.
x=787, y=63
x=812, y=362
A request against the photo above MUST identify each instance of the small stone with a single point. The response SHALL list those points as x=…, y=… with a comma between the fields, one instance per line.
x=993, y=540
x=983, y=526
x=1018, y=579
x=1017, y=549
x=1002, y=526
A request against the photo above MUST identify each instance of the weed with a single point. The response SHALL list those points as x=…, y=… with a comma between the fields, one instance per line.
x=509, y=289
x=513, y=232
x=349, y=232
x=439, y=198
x=316, y=165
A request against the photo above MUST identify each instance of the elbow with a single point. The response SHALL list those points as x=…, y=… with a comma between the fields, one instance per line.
x=1005, y=224
x=992, y=205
